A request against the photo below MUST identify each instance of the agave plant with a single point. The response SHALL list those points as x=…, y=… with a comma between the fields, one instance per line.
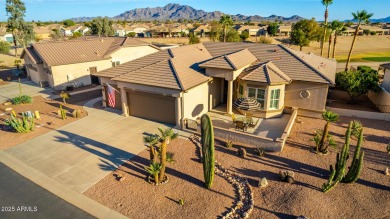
x=154, y=169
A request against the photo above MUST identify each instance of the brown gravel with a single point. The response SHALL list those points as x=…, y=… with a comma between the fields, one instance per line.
x=48, y=112
x=369, y=197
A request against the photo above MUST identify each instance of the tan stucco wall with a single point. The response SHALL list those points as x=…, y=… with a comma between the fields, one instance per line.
x=130, y=53
x=36, y=76
x=196, y=101
x=381, y=99
x=316, y=101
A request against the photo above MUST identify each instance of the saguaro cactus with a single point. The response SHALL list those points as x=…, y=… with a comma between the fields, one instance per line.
x=338, y=174
x=207, y=133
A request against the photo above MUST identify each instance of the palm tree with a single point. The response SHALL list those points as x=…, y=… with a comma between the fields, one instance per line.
x=360, y=17
x=165, y=136
x=154, y=169
x=326, y=3
x=329, y=117
x=330, y=38
x=226, y=22
x=338, y=27
x=152, y=140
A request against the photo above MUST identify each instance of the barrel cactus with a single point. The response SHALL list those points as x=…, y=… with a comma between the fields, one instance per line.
x=207, y=134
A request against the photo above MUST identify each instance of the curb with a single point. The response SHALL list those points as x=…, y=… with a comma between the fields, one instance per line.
x=77, y=199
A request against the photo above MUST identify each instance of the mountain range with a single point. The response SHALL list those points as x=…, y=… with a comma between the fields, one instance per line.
x=177, y=11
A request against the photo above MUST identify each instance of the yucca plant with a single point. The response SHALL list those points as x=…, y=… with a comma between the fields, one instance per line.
x=24, y=125
x=154, y=169
x=166, y=135
x=151, y=141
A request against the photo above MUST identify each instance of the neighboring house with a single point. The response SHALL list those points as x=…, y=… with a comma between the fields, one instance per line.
x=6, y=36
x=375, y=29
x=253, y=30
x=284, y=30
x=122, y=31
x=72, y=62
x=183, y=83
x=382, y=98
x=202, y=30
x=69, y=31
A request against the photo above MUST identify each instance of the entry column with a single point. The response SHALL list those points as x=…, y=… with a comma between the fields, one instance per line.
x=125, y=104
x=229, y=109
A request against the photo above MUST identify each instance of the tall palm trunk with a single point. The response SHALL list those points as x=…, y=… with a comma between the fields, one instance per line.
x=324, y=136
x=325, y=27
x=334, y=45
x=224, y=33
x=163, y=160
x=353, y=44
x=330, y=43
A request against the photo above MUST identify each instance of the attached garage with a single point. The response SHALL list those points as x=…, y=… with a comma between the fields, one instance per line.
x=152, y=106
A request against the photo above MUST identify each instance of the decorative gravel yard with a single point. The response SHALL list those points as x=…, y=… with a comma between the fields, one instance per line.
x=369, y=197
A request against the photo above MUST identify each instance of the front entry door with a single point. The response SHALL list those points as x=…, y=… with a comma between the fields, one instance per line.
x=94, y=79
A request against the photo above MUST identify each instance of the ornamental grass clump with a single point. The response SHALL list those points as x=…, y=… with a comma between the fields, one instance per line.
x=21, y=99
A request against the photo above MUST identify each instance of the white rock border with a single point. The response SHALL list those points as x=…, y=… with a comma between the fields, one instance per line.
x=244, y=202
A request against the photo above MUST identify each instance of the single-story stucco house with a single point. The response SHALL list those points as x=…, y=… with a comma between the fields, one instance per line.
x=382, y=98
x=60, y=63
x=178, y=84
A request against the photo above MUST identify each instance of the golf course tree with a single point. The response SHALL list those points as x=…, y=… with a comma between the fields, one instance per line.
x=337, y=27
x=360, y=17
x=272, y=28
x=22, y=32
x=304, y=31
x=102, y=26
x=326, y=3
x=358, y=83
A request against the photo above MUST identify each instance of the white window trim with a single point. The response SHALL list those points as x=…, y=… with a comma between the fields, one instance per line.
x=272, y=99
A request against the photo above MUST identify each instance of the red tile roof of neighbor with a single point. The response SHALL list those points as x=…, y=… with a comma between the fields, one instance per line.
x=86, y=49
x=183, y=68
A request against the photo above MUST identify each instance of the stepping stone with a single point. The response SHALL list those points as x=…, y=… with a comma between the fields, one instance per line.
x=2, y=114
x=7, y=103
x=8, y=109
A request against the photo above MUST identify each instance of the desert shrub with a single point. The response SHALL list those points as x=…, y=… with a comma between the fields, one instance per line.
x=229, y=144
x=193, y=39
x=372, y=33
x=170, y=157
x=244, y=35
x=366, y=32
x=4, y=47
x=264, y=40
x=131, y=34
x=23, y=99
x=260, y=151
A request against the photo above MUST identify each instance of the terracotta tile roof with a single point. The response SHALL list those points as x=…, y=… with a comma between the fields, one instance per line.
x=288, y=62
x=233, y=61
x=81, y=50
x=173, y=68
x=265, y=73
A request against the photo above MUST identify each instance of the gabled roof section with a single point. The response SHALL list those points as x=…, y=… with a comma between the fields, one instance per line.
x=32, y=55
x=233, y=61
x=285, y=59
x=81, y=50
x=265, y=73
x=175, y=68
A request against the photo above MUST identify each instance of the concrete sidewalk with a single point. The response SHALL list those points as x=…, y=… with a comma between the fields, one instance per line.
x=11, y=90
x=81, y=153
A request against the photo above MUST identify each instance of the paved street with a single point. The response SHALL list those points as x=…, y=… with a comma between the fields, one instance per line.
x=11, y=90
x=81, y=153
x=21, y=198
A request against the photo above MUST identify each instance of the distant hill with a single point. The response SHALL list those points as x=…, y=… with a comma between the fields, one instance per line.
x=177, y=11
x=381, y=20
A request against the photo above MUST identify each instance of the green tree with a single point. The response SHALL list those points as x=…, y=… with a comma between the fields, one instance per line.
x=361, y=17
x=337, y=27
x=303, y=32
x=68, y=23
x=4, y=47
x=193, y=39
x=56, y=34
x=15, y=10
x=357, y=83
x=232, y=36
x=26, y=34
x=76, y=35
x=215, y=30
x=102, y=26
x=131, y=34
x=226, y=21
x=244, y=35
x=272, y=28
x=326, y=3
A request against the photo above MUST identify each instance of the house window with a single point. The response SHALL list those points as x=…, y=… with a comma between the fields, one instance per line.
x=275, y=95
x=258, y=94
x=241, y=89
x=116, y=63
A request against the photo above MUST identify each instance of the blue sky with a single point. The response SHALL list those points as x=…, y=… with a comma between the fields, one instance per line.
x=61, y=9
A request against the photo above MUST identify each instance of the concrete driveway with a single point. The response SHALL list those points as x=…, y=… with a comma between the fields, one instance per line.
x=83, y=152
x=11, y=90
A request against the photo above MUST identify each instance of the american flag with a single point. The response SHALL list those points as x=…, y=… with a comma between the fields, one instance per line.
x=111, y=96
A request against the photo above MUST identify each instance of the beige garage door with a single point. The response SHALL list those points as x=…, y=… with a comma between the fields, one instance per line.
x=152, y=106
